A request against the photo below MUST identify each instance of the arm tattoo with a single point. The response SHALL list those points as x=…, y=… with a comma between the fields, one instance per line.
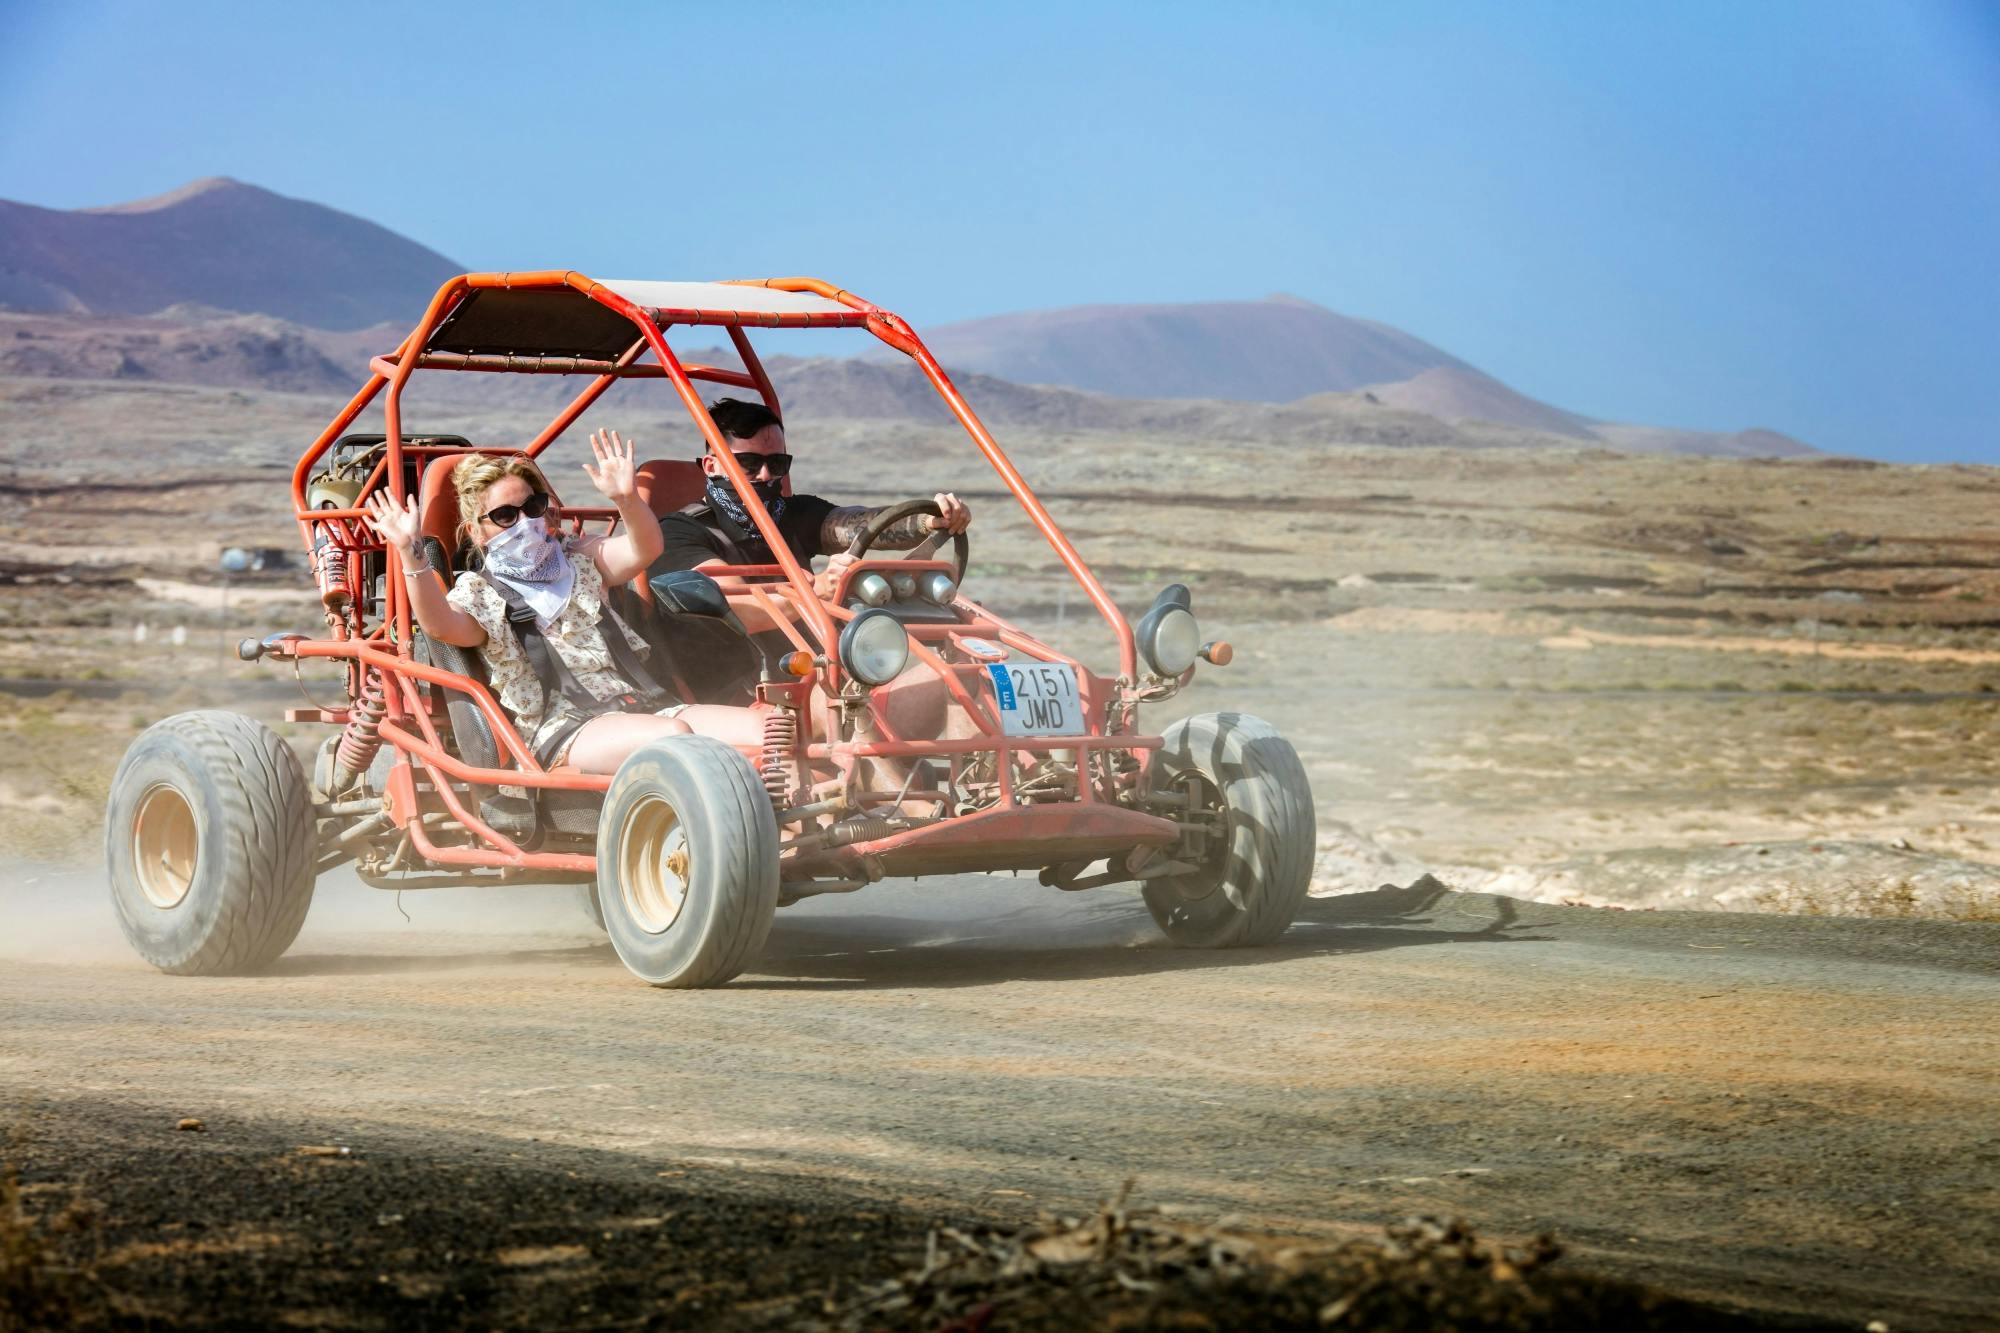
x=844, y=524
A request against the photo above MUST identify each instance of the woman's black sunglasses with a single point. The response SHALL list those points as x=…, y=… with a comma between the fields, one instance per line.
x=779, y=464
x=503, y=516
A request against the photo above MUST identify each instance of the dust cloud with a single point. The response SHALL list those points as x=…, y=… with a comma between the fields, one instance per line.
x=64, y=916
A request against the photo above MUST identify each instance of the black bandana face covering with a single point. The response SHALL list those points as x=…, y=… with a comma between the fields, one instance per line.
x=723, y=497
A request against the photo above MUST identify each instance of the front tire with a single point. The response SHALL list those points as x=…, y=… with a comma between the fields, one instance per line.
x=1254, y=868
x=210, y=842
x=687, y=862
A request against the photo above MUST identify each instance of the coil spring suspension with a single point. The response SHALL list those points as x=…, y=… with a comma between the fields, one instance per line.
x=781, y=734
x=362, y=736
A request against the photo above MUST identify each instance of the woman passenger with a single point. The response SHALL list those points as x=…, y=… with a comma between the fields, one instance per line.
x=503, y=505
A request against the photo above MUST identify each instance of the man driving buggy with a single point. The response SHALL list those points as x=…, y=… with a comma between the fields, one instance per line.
x=717, y=530
x=717, y=533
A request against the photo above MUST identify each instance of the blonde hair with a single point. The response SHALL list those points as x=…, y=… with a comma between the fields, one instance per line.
x=476, y=474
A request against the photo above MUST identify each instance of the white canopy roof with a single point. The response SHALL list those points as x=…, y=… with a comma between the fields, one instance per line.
x=721, y=296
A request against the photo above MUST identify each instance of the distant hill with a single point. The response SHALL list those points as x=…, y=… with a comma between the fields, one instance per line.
x=1757, y=442
x=219, y=243
x=1272, y=351
x=1285, y=350
x=1466, y=396
x=1458, y=393
x=222, y=350
x=834, y=388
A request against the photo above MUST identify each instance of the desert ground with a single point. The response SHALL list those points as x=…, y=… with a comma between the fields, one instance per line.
x=1699, y=744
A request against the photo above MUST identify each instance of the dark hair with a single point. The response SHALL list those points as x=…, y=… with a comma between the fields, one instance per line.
x=739, y=420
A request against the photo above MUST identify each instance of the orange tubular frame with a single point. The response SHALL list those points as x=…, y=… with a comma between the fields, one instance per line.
x=386, y=646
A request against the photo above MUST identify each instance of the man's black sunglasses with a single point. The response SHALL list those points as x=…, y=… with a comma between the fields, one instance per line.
x=503, y=516
x=779, y=464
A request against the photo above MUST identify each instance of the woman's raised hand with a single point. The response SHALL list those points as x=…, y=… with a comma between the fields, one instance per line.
x=398, y=524
x=613, y=476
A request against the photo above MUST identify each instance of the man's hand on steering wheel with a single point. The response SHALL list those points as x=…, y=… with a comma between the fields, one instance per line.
x=828, y=579
x=943, y=516
x=948, y=520
x=953, y=515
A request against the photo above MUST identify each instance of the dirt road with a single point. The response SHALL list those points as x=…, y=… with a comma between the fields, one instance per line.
x=1779, y=1114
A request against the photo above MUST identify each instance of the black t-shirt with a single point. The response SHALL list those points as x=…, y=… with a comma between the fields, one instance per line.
x=689, y=543
x=712, y=654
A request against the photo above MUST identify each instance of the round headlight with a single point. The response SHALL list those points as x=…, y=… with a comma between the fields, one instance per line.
x=938, y=588
x=905, y=585
x=1169, y=639
x=874, y=648
x=869, y=590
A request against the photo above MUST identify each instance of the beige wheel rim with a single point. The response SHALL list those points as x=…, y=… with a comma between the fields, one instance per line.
x=653, y=865
x=164, y=846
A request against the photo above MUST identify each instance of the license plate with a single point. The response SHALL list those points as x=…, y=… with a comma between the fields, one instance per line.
x=1037, y=698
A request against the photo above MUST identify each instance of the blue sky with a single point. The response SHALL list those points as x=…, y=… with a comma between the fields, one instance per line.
x=1699, y=215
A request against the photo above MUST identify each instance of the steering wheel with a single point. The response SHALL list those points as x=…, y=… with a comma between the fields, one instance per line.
x=961, y=548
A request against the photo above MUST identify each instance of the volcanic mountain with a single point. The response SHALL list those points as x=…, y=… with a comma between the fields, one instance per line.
x=1271, y=351
x=1286, y=350
x=217, y=243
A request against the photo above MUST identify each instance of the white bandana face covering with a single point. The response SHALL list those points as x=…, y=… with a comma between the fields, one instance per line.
x=528, y=559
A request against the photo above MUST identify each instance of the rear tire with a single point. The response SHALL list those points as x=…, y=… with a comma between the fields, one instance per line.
x=1255, y=874
x=687, y=862
x=210, y=842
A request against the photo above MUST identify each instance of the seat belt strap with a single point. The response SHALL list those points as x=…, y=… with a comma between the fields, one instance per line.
x=559, y=682
x=714, y=523
x=625, y=657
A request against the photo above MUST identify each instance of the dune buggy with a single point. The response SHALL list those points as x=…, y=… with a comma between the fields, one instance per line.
x=216, y=833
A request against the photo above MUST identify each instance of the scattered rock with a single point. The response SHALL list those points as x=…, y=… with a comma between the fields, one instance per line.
x=190, y=1124
x=533, y=1256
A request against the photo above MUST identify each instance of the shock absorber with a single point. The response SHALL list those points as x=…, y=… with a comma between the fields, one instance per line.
x=774, y=766
x=362, y=736
x=330, y=569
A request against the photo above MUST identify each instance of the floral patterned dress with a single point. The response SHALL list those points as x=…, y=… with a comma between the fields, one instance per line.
x=575, y=637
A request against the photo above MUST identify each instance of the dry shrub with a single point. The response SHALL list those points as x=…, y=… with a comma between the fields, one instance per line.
x=37, y=1290
x=1130, y=1268
x=1901, y=898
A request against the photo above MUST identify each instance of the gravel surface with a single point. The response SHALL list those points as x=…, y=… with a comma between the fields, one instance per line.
x=1786, y=1116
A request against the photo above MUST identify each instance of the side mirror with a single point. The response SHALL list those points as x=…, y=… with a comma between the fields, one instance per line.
x=689, y=592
